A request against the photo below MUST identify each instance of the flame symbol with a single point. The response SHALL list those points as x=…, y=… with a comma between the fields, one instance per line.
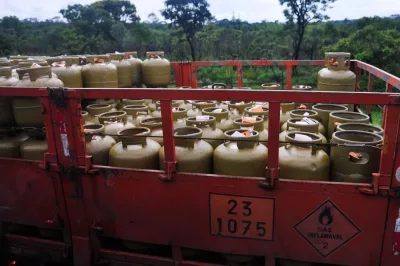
x=326, y=217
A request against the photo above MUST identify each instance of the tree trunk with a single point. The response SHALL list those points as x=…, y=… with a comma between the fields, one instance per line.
x=193, y=52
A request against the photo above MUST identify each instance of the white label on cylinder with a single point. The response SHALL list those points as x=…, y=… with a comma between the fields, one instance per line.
x=306, y=114
x=237, y=134
x=302, y=137
x=64, y=140
x=219, y=110
x=202, y=117
x=301, y=123
x=397, y=227
x=248, y=128
x=308, y=121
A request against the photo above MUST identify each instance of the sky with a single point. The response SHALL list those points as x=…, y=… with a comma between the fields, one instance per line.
x=250, y=10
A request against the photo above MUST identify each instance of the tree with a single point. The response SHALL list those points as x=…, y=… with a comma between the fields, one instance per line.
x=299, y=14
x=119, y=10
x=189, y=16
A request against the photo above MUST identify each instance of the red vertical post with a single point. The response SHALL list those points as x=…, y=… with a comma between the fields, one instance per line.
x=194, y=77
x=168, y=136
x=186, y=74
x=178, y=73
x=358, y=77
x=371, y=80
x=389, y=87
x=288, y=77
x=273, y=138
x=239, y=75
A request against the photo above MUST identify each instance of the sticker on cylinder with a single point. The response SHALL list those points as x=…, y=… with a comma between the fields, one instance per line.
x=241, y=216
x=327, y=228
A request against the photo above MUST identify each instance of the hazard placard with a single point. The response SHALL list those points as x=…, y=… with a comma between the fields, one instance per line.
x=327, y=228
x=241, y=216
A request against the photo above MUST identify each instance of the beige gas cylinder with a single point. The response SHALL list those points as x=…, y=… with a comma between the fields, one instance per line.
x=67, y=72
x=340, y=117
x=113, y=102
x=114, y=122
x=253, y=123
x=301, y=113
x=193, y=155
x=260, y=111
x=124, y=70
x=99, y=73
x=237, y=108
x=85, y=117
x=98, y=146
x=155, y=125
x=241, y=156
x=197, y=106
x=10, y=143
x=156, y=70
x=157, y=112
x=360, y=127
x=208, y=126
x=179, y=115
x=132, y=102
x=6, y=111
x=270, y=86
x=136, y=64
x=356, y=157
x=135, y=150
x=325, y=109
x=285, y=112
x=222, y=117
x=136, y=113
x=301, y=161
x=298, y=124
x=95, y=110
x=337, y=75
x=303, y=88
x=35, y=147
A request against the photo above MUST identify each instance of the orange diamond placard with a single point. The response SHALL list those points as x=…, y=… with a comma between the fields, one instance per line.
x=327, y=228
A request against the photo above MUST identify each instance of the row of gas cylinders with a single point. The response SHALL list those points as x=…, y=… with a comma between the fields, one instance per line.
x=116, y=70
x=235, y=138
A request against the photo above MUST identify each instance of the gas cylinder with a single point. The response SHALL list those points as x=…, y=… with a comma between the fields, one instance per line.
x=337, y=75
x=236, y=108
x=135, y=150
x=95, y=110
x=241, y=158
x=35, y=147
x=197, y=106
x=99, y=73
x=6, y=111
x=253, y=123
x=285, y=112
x=113, y=102
x=155, y=125
x=156, y=70
x=98, y=146
x=192, y=154
x=68, y=73
x=223, y=121
x=301, y=161
x=30, y=62
x=20, y=57
x=136, y=113
x=270, y=86
x=179, y=115
x=28, y=110
x=125, y=102
x=339, y=117
x=10, y=143
x=151, y=104
x=218, y=86
x=124, y=70
x=136, y=64
x=360, y=127
x=324, y=110
x=353, y=163
x=85, y=117
x=157, y=112
x=208, y=125
x=187, y=105
x=301, y=113
x=260, y=111
x=114, y=122
x=6, y=77
x=303, y=88
x=298, y=124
